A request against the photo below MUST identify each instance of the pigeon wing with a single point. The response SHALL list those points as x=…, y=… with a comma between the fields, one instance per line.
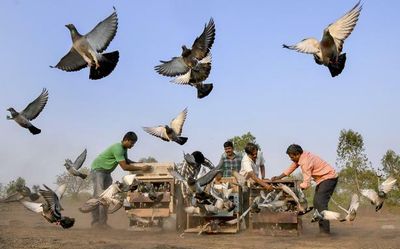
x=370, y=194
x=355, y=203
x=330, y=215
x=13, y=197
x=52, y=199
x=158, y=131
x=177, y=123
x=204, y=42
x=101, y=36
x=60, y=190
x=343, y=27
x=80, y=159
x=36, y=106
x=174, y=67
x=207, y=178
x=33, y=206
x=72, y=61
x=388, y=184
x=307, y=46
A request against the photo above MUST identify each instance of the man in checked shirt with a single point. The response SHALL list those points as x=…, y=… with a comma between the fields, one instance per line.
x=313, y=168
x=229, y=160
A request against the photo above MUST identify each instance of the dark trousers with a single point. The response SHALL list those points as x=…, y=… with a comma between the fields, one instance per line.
x=323, y=193
x=101, y=181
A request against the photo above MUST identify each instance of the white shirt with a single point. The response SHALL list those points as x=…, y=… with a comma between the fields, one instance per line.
x=247, y=166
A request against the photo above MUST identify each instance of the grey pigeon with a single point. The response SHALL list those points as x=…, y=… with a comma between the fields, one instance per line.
x=73, y=167
x=194, y=65
x=377, y=199
x=87, y=49
x=328, y=51
x=51, y=208
x=30, y=112
x=172, y=132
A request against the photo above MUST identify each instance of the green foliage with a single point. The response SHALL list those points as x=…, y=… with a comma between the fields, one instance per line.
x=14, y=185
x=149, y=159
x=350, y=151
x=391, y=167
x=2, y=191
x=75, y=184
x=239, y=142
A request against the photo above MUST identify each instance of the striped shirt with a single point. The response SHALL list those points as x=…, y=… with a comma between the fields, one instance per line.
x=228, y=165
x=312, y=167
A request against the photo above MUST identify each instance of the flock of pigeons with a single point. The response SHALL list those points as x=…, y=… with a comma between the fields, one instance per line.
x=191, y=68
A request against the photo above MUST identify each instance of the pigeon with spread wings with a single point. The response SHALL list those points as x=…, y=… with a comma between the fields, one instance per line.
x=377, y=198
x=73, y=167
x=328, y=51
x=172, y=132
x=51, y=208
x=30, y=112
x=194, y=65
x=87, y=49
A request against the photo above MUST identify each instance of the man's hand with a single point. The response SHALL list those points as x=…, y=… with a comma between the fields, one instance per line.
x=269, y=187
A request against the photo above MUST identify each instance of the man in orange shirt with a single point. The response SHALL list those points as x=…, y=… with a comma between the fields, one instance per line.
x=313, y=167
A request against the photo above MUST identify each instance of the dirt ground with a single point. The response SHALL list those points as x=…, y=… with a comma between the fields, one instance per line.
x=20, y=228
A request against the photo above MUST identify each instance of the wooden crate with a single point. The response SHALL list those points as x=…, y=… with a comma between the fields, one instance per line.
x=275, y=223
x=202, y=223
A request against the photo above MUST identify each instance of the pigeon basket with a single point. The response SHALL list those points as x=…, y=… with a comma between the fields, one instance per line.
x=216, y=223
x=145, y=213
x=280, y=223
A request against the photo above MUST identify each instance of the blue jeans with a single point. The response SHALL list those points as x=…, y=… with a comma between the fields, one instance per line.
x=101, y=181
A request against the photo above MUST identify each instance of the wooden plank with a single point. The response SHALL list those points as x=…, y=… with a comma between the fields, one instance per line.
x=269, y=217
x=149, y=212
x=138, y=197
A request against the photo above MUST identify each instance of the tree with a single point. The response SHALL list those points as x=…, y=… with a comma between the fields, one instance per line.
x=149, y=159
x=391, y=167
x=15, y=185
x=239, y=142
x=351, y=159
x=75, y=184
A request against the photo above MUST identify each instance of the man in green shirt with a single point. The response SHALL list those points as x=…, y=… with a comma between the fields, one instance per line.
x=103, y=165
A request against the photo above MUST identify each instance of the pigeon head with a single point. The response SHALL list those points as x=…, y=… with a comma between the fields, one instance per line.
x=67, y=222
x=74, y=33
x=382, y=194
x=12, y=111
x=185, y=51
x=68, y=163
x=71, y=27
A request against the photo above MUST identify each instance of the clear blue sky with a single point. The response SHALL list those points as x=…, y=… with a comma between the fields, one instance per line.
x=280, y=96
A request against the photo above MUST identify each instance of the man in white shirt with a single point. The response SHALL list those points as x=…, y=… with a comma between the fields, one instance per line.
x=249, y=168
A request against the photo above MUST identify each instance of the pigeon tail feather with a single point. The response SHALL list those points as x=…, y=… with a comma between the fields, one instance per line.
x=34, y=130
x=203, y=90
x=107, y=64
x=83, y=176
x=181, y=140
x=338, y=67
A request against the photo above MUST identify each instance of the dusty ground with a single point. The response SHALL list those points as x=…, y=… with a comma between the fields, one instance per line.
x=19, y=228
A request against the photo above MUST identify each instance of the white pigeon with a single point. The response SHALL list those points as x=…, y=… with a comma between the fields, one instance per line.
x=351, y=212
x=73, y=167
x=328, y=51
x=325, y=215
x=30, y=112
x=377, y=199
x=172, y=132
x=290, y=192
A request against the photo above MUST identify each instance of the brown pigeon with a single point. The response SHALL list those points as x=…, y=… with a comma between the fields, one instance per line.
x=328, y=51
x=87, y=49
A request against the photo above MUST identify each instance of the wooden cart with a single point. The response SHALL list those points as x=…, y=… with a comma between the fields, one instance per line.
x=276, y=223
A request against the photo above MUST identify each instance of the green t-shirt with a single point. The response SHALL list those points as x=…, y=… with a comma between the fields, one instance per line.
x=108, y=159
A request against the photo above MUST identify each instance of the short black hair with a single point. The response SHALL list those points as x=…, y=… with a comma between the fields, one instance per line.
x=198, y=157
x=294, y=149
x=250, y=147
x=130, y=135
x=228, y=144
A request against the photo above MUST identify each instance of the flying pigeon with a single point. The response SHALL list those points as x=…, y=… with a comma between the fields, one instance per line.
x=325, y=215
x=87, y=49
x=51, y=208
x=328, y=51
x=30, y=112
x=73, y=167
x=172, y=132
x=194, y=65
x=377, y=199
x=290, y=192
x=351, y=212
x=20, y=194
